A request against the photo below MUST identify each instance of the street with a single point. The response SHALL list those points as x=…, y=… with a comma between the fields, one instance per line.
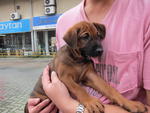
x=17, y=78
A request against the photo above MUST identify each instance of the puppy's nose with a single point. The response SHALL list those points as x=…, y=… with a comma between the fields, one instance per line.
x=99, y=50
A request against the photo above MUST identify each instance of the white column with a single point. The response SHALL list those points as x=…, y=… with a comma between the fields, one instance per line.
x=35, y=42
x=32, y=41
x=46, y=42
x=23, y=41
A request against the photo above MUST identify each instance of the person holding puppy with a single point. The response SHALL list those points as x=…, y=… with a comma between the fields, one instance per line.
x=125, y=61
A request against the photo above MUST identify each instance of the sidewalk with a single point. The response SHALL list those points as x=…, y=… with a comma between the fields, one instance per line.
x=17, y=79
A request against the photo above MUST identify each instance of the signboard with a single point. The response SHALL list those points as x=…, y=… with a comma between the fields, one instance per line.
x=15, y=26
x=45, y=22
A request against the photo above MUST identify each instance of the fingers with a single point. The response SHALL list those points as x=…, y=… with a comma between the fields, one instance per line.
x=45, y=106
x=41, y=105
x=54, y=77
x=45, y=77
x=49, y=109
x=54, y=110
x=33, y=101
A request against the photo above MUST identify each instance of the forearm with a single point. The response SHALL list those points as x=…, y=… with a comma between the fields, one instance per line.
x=68, y=105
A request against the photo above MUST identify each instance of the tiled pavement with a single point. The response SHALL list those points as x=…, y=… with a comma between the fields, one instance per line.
x=17, y=79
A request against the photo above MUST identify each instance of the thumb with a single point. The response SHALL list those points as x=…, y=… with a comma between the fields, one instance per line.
x=54, y=77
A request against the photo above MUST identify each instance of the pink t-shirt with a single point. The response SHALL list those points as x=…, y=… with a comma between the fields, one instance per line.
x=126, y=61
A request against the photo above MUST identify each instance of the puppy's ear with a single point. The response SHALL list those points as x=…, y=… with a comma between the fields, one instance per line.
x=71, y=38
x=101, y=30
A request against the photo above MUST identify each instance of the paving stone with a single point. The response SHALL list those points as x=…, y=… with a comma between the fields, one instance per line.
x=17, y=79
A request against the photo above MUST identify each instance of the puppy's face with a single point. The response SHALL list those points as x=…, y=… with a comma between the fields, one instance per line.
x=86, y=38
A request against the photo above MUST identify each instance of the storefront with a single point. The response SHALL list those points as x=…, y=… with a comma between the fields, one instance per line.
x=44, y=33
x=19, y=38
x=15, y=37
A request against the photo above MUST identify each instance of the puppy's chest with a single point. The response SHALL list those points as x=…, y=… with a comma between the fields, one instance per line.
x=76, y=71
x=79, y=72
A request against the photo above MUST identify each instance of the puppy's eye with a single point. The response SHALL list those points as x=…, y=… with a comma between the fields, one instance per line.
x=98, y=34
x=85, y=36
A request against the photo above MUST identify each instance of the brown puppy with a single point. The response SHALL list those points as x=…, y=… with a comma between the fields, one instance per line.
x=73, y=66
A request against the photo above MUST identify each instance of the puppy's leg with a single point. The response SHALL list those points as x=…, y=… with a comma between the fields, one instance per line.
x=92, y=104
x=100, y=85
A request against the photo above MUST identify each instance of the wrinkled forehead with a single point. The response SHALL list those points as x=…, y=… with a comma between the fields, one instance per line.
x=85, y=27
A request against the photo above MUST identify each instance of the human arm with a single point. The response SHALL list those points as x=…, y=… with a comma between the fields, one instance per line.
x=58, y=92
x=34, y=105
x=39, y=102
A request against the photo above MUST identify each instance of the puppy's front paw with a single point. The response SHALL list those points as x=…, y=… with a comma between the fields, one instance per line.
x=134, y=107
x=93, y=105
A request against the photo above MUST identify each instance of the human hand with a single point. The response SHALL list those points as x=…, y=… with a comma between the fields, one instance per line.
x=35, y=106
x=55, y=89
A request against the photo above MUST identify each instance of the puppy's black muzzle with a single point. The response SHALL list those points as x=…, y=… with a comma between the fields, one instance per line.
x=92, y=49
x=99, y=51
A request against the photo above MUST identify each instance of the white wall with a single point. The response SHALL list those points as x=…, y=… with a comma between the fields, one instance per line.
x=7, y=7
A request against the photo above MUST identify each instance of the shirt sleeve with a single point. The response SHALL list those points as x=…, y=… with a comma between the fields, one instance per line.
x=59, y=33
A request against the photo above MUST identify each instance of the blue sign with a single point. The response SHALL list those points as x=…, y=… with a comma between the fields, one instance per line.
x=15, y=26
x=45, y=20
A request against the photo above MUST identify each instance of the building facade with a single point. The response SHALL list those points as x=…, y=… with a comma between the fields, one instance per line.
x=27, y=27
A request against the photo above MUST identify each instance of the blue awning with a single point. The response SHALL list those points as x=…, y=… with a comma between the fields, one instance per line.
x=45, y=22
